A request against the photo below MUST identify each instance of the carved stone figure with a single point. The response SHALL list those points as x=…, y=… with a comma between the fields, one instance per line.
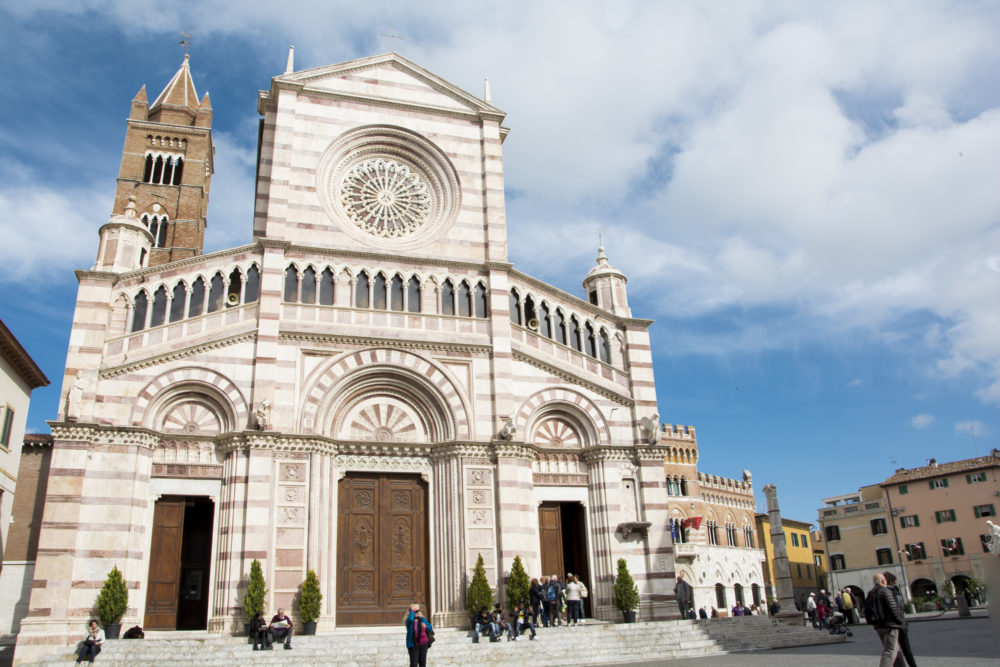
x=75, y=397
x=650, y=427
x=994, y=538
x=508, y=430
x=263, y=415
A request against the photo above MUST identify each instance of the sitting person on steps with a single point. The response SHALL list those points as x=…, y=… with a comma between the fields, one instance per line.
x=281, y=628
x=260, y=633
x=482, y=623
x=502, y=623
x=91, y=643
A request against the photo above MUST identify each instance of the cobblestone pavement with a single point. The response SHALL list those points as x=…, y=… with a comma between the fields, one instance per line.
x=945, y=641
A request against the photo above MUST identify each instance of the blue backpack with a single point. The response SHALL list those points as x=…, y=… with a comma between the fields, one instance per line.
x=551, y=593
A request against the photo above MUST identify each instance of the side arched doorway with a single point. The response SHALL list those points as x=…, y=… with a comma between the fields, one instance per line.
x=923, y=588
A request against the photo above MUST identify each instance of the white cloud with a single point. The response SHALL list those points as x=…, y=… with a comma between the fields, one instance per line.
x=922, y=421
x=971, y=427
x=856, y=382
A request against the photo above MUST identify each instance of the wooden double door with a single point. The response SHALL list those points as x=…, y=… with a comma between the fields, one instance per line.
x=382, y=548
x=562, y=538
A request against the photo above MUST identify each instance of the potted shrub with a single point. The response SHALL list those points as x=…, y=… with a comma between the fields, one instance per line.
x=626, y=592
x=518, y=585
x=256, y=591
x=479, y=594
x=309, y=603
x=112, y=603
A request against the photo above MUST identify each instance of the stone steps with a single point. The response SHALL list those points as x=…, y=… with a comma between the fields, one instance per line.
x=594, y=643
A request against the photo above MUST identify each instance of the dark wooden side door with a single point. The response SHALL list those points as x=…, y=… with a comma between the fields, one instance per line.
x=381, y=548
x=551, y=539
x=164, y=565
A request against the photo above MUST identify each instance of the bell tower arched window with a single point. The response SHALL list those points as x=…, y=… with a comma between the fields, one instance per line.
x=515, y=307
x=480, y=297
x=197, y=298
x=309, y=285
x=396, y=293
x=447, y=298
x=361, y=291
x=139, y=306
x=291, y=293
x=326, y=287
x=157, y=226
x=413, y=295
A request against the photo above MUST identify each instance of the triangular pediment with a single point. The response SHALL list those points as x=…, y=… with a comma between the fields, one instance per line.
x=390, y=78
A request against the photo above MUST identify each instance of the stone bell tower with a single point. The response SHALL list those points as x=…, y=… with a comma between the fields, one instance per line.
x=167, y=167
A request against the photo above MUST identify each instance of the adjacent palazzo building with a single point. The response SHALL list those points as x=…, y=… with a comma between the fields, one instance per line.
x=368, y=388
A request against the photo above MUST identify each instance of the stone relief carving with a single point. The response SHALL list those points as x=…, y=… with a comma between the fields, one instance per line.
x=262, y=415
x=479, y=476
x=479, y=497
x=508, y=430
x=291, y=494
x=290, y=514
x=383, y=463
x=650, y=427
x=75, y=397
x=479, y=517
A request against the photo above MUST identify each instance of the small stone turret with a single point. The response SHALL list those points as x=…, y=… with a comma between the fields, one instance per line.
x=125, y=242
x=605, y=286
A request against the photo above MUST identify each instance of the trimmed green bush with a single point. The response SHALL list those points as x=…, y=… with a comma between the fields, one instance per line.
x=626, y=592
x=479, y=594
x=310, y=598
x=256, y=591
x=112, y=602
x=517, y=584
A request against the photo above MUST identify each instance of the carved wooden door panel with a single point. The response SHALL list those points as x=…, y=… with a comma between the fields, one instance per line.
x=550, y=539
x=381, y=548
x=164, y=565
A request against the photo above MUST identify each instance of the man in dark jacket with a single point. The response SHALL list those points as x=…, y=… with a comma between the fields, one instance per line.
x=904, y=633
x=483, y=622
x=887, y=618
x=684, y=594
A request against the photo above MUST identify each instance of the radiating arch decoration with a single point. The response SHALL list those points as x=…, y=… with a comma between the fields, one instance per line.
x=191, y=400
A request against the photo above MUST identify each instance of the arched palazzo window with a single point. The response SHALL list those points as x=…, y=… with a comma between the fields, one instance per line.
x=216, y=293
x=560, y=327
x=720, y=597
x=233, y=293
x=252, y=291
x=604, y=347
x=396, y=293
x=326, y=288
x=197, y=298
x=378, y=294
x=308, y=285
x=413, y=295
x=529, y=309
x=447, y=298
x=291, y=291
x=738, y=591
x=481, y=310
x=515, y=307
x=156, y=318
x=160, y=170
x=574, y=334
x=464, y=299
x=140, y=304
x=177, y=303
x=544, y=325
x=157, y=169
x=684, y=486
x=361, y=291
x=591, y=340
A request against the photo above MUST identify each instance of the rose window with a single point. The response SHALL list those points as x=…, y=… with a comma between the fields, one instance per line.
x=385, y=198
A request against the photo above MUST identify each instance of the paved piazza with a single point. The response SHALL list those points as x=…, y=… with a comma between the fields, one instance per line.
x=952, y=642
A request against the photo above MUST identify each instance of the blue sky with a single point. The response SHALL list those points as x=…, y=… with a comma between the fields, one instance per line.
x=804, y=195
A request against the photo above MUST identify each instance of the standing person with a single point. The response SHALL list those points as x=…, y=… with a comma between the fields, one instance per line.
x=91, y=643
x=811, y=608
x=822, y=612
x=281, y=627
x=583, y=597
x=418, y=636
x=543, y=588
x=572, y=601
x=535, y=599
x=553, y=595
x=904, y=633
x=850, y=611
x=684, y=594
x=702, y=613
x=260, y=632
x=883, y=614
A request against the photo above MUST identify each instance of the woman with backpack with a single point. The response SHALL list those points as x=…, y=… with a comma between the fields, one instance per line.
x=535, y=599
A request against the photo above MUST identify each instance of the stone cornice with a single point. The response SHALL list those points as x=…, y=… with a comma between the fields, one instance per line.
x=636, y=322
x=515, y=450
x=281, y=244
x=499, y=266
x=619, y=454
x=621, y=399
x=100, y=434
x=174, y=355
x=375, y=342
x=647, y=453
x=110, y=276
x=575, y=301
x=184, y=263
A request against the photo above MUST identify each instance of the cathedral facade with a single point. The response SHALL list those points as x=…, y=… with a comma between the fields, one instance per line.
x=369, y=389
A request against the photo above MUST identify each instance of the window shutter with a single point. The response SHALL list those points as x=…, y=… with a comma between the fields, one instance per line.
x=945, y=482
x=976, y=510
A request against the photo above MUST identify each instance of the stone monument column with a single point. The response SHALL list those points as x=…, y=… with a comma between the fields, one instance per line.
x=782, y=572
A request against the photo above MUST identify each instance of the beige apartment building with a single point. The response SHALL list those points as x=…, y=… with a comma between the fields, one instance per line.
x=859, y=539
x=939, y=517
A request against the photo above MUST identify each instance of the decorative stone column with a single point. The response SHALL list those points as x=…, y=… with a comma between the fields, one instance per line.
x=782, y=572
x=448, y=593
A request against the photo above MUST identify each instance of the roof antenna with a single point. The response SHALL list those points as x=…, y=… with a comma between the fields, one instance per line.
x=186, y=42
x=975, y=444
x=392, y=35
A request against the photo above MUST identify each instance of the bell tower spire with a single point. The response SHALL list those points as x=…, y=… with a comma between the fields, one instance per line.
x=167, y=167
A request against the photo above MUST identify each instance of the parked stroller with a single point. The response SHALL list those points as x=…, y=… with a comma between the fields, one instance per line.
x=837, y=625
